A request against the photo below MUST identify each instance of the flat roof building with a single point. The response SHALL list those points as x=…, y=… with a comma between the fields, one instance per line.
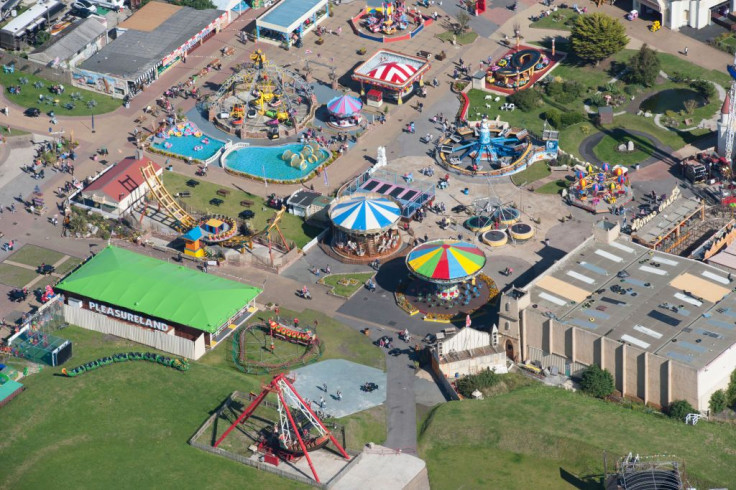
x=75, y=44
x=290, y=20
x=663, y=325
x=15, y=32
x=149, y=42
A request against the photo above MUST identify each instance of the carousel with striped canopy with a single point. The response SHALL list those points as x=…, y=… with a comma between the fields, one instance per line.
x=365, y=226
x=451, y=267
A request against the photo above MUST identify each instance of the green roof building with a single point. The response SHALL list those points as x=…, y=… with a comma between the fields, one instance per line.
x=147, y=292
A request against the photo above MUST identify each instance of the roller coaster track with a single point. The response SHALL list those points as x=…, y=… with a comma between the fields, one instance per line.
x=173, y=209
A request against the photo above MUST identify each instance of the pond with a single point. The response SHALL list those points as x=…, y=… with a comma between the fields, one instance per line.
x=671, y=100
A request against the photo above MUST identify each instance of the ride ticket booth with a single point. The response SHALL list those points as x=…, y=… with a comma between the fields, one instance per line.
x=374, y=98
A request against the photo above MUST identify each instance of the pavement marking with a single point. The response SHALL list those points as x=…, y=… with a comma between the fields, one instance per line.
x=664, y=261
x=553, y=299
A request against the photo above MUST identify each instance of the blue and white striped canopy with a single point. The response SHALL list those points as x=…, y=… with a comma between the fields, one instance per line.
x=365, y=213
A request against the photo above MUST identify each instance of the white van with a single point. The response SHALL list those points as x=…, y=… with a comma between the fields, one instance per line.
x=109, y=4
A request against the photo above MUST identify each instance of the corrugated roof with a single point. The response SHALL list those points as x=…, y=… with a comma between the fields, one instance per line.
x=159, y=289
x=134, y=53
x=121, y=180
x=74, y=39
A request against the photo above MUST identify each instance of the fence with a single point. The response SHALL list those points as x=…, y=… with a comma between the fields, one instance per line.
x=24, y=65
x=255, y=463
x=547, y=360
x=161, y=341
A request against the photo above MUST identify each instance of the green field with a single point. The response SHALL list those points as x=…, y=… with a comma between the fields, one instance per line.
x=467, y=37
x=29, y=95
x=607, y=151
x=536, y=171
x=346, y=290
x=562, y=20
x=33, y=255
x=127, y=425
x=543, y=437
x=293, y=227
x=15, y=276
x=552, y=187
x=68, y=265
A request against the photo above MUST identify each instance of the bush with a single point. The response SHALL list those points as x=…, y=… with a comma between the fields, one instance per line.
x=598, y=100
x=485, y=379
x=678, y=409
x=554, y=117
x=564, y=92
x=717, y=402
x=704, y=88
x=731, y=391
x=526, y=100
x=597, y=382
x=571, y=118
x=632, y=90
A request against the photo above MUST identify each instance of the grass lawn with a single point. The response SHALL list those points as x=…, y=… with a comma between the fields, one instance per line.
x=519, y=119
x=562, y=20
x=571, y=137
x=552, y=187
x=539, y=435
x=607, y=151
x=44, y=281
x=68, y=265
x=40, y=86
x=127, y=422
x=536, y=171
x=341, y=341
x=14, y=276
x=467, y=37
x=33, y=255
x=351, y=282
x=293, y=227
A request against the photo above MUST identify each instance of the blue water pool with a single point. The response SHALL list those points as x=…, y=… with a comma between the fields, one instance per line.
x=185, y=146
x=260, y=161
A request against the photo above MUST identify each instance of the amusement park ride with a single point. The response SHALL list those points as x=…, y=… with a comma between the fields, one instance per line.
x=229, y=236
x=298, y=431
x=731, y=129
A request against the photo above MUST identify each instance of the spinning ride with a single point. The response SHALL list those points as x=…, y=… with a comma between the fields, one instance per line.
x=491, y=149
x=596, y=189
x=260, y=98
x=298, y=431
x=445, y=264
x=365, y=226
x=344, y=112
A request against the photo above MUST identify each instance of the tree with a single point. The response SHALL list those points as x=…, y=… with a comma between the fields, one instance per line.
x=526, y=100
x=731, y=390
x=462, y=21
x=704, y=88
x=644, y=67
x=717, y=402
x=679, y=409
x=597, y=36
x=597, y=382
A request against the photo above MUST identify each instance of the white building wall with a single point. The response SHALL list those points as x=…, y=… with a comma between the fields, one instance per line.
x=466, y=339
x=166, y=342
x=494, y=362
x=715, y=376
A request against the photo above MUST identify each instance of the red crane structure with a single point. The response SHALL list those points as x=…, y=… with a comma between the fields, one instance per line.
x=294, y=439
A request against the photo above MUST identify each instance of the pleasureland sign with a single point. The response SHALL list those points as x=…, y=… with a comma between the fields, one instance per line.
x=127, y=316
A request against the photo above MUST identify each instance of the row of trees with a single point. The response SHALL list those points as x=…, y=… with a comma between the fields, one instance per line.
x=723, y=399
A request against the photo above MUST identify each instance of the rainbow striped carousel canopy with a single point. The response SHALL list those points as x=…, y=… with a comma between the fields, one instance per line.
x=364, y=214
x=446, y=261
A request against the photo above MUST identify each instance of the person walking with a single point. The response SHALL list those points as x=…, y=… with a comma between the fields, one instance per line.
x=339, y=395
x=684, y=51
x=324, y=387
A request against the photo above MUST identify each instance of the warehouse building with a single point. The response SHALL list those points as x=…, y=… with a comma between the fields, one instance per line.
x=663, y=325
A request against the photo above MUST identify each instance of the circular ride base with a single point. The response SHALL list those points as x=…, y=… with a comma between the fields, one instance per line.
x=521, y=232
x=494, y=238
x=296, y=97
x=479, y=224
x=412, y=29
x=422, y=296
x=252, y=351
x=342, y=126
x=346, y=257
x=231, y=229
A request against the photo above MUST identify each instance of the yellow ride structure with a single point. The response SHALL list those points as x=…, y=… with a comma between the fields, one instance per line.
x=184, y=221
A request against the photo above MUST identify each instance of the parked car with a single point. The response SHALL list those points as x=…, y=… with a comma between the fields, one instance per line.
x=33, y=112
x=84, y=7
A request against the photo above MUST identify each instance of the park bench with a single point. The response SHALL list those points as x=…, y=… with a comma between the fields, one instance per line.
x=246, y=203
x=223, y=192
x=184, y=194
